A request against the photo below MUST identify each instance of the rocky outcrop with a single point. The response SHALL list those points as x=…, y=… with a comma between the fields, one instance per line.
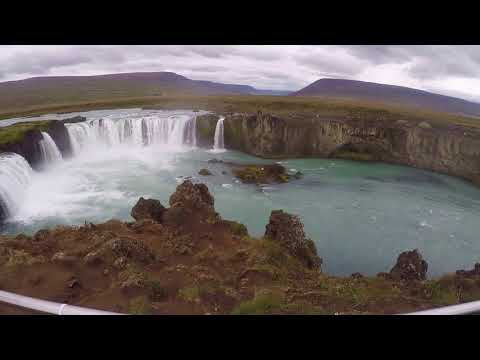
x=192, y=196
x=410, y=266
x=59, y=134
x=448, y=149
x=206, y=129
x=27, y=145
x=205, y=172
x=470, y=273
x=288, y=231
x=148, y=209
x=262, y=174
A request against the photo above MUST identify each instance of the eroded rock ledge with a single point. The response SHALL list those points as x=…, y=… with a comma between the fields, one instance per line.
x=186, y=259
x=449, y=149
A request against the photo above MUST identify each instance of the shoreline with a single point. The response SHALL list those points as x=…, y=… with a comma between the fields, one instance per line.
x=188, y=259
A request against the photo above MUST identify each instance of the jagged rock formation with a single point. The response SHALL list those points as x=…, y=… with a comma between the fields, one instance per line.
x=194, y=196
x=28, y=146
x=288, y=231
x=203, y=264
x=148, y=209
x=410, y=266
x=449, y=149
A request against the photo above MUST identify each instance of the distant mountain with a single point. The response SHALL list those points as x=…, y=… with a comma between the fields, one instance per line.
x=39, y=91
x=361, y=90
x=272, y=92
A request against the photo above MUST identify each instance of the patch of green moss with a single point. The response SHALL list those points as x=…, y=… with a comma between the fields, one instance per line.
x=260, y=305
x=441, y=292
x=139, y=306
x=15, y=133
x=189, y=293
x=205, y=172
x=238, y=229
x=283, y=178
x=156, y=291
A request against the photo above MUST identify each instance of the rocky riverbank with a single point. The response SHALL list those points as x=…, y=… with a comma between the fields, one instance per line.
x=446, y=148
x=23, y=138
x=186, y=259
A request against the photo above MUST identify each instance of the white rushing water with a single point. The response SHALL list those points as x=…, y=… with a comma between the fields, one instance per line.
x=15, y=176
x=163, y=129
x=49, y=150
x=218, y=140
x=360, y=215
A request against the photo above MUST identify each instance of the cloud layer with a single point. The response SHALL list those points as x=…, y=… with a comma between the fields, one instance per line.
x=449, y=70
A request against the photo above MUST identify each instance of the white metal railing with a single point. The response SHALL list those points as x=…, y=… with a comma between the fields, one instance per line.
x=49, y=306
x=460, y=309
x=65, y=309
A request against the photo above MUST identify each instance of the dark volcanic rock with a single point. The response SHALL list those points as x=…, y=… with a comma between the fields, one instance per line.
x=148, y=209
x=265, y=174
x=59, y=134
x=410, y=266
x=288, y=231
x=205, y=172
x=470, y=273
x=131, y=248
x=28, y=147
x=191, y=195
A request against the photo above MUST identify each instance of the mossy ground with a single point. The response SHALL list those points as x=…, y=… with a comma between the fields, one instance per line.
x=261, y=174
x=15, y=133
x=299, y=110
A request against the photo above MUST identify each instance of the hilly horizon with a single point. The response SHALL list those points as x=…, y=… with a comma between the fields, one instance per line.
x=393, y=94
x=59, y=90
x=38, y=91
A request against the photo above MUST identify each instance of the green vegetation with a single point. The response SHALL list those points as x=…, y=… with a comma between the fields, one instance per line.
x=260, y=305
x=14, y=133
x=205, y=172
x=299, y=110
x=157, y=291
x=139, y=306
x=238, y=229
x=189, y=293
x=257, y=174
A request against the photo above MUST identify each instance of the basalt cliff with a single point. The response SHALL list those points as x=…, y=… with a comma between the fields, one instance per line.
x=448, y=149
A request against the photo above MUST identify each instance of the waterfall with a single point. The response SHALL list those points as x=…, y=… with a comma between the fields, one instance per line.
x=49, y=150
x=15, y=175
x=218, y=141
x=174, y=130
x=80, y=134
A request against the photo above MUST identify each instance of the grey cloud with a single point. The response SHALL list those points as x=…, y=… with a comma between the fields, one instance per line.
x=41, y=63
x=430, y=61
x=260, y=66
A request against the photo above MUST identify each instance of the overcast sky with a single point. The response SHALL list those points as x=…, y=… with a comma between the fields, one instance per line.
x=449, y=70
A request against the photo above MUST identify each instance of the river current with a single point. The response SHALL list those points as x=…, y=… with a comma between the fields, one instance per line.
x=360, y=215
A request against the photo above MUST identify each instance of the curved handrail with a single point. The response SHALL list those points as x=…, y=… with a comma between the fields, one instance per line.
x=49, y=306
x=460, y=309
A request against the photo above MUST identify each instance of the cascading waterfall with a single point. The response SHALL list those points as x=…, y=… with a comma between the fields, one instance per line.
x=15, y=175
x=218, y=140
x=49, y=150
x=80, y=134
x=172, y=130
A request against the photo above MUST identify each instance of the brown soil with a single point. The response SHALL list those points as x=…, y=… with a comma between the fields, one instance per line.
x=191, y=261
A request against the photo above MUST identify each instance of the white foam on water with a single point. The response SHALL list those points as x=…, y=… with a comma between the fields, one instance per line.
x=49, y=151
x=15, y=176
